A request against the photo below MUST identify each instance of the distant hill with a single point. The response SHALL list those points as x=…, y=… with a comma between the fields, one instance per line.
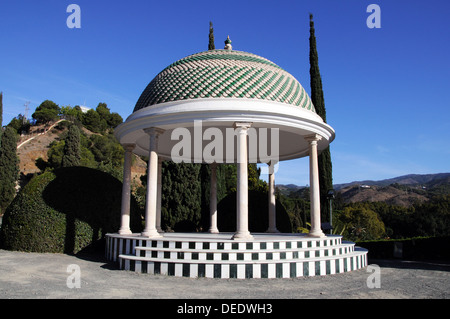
x=402, y=191
x=287, y=189
x=411, y=179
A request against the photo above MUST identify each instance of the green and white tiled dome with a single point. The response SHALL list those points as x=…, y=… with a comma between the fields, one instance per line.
x=224, y=74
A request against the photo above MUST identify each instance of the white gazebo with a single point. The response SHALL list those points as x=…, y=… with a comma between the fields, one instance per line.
x=218, y=106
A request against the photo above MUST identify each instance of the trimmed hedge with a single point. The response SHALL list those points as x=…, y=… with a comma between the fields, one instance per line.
x=65, y=211
x=258, y=213
x=431, y=248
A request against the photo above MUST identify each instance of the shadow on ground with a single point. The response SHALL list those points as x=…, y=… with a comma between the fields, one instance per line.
x=412, y=264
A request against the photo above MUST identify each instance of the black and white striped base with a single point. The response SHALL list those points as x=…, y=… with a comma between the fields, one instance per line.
x=218, y=256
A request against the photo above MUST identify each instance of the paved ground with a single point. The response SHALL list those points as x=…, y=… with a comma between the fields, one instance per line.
x=31, y=275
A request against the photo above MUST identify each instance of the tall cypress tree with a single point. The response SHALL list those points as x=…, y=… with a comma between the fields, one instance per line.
x=205, y=172
x=9, y=167
x=72, y=151
x=325, y=166
x=211, y=45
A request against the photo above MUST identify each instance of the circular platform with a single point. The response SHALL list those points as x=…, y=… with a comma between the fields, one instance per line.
x=219, y=256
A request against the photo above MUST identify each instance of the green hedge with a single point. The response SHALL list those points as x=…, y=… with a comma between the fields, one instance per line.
x=434, y=248
x=65, y=211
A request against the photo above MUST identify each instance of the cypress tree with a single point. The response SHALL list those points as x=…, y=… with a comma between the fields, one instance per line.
x=211, y=45
x=324, y=160
x=181, y=196
x=9, y=167
x=72, y=155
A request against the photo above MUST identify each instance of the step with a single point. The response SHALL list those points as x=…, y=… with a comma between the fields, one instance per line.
x=125, y=244
x=246, y=269
x=226, y=254
x=219, y=256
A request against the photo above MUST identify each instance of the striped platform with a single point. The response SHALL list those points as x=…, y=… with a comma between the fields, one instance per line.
x=218, y=256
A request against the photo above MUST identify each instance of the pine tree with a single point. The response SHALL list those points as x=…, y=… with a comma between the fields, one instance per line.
x=211, y=45
x=72, y=155
x=325, y=166
x=9, y=167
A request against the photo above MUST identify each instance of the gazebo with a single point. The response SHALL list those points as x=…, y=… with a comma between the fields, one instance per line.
x=225, y=106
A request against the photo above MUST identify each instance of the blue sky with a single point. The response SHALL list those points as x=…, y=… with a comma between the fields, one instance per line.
x=387, y=90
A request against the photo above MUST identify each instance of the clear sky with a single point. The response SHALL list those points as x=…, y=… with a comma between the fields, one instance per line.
x=387, y=90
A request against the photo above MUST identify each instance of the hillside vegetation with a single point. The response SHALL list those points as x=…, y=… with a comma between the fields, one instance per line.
x=377, y=210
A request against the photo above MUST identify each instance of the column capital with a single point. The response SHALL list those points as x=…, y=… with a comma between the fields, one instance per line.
x=243, y=125
x=271, y=165
x=154, y=130
x=128, y=147
x=312, y=137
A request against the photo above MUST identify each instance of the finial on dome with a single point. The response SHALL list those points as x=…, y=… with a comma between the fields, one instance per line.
x=228, y=44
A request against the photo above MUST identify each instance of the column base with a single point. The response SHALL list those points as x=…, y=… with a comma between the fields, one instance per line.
x=316, y=234
x=272, y=230
x=126, y=231
x=213, y=231
x=152, y=233
x=242, y=236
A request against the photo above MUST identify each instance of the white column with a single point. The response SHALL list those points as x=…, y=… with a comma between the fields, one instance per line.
x=158, y=202
x=272, y=207
x=242, y=183
x=126, y=191
x=213, y=200
x=152, y=184
x=316, y=230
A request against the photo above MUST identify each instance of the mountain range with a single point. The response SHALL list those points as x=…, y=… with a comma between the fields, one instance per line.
x=402, y=190
x=411, y=179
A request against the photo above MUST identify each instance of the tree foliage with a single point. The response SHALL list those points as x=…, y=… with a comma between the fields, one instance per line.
x=72, y=153
x=430, y=219
x=93, y=122
x=181, y=196
x=65, y=211
x=101, y=119
x=9, y=167
x=20, y=124
x=73, y=114
x=102, y=152
x=361, y=223
x=324, y=160
x=211, y=45
x=46, y=112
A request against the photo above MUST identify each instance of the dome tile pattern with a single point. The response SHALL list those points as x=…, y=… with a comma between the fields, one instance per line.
x=224, y=74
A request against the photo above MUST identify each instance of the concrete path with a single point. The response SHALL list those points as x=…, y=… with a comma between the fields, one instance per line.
x=32, y=275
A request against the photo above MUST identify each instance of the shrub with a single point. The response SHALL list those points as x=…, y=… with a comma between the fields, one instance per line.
x=65, y=211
